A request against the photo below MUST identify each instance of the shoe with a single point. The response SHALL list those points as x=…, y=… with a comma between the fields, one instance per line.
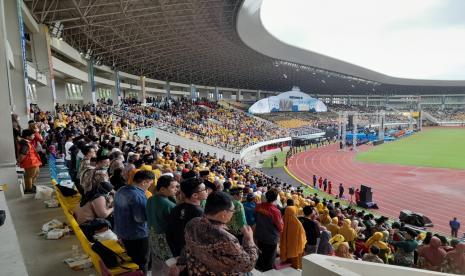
x=34, y=188
x=31, y=191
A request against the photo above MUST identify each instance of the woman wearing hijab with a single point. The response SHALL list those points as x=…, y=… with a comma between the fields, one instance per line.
x=348, y=232
x=324, y=218
x=293, y=239
x=406, y=247
x=97, y=203
x=343, y=251
x=430, y=257
x=336, y=241
x=377, y=240
x=324, y=247
x=333, y=227
x=454, y=261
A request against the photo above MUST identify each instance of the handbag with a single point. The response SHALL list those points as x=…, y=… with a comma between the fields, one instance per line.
x=108, y=256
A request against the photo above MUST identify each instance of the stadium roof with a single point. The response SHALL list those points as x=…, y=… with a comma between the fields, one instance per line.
x=194, y=41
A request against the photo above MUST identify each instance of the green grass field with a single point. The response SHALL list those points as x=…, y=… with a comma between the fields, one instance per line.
x=440, y=148
x=281, y=160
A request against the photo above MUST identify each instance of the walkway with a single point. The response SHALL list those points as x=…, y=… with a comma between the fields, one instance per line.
x=42, y=257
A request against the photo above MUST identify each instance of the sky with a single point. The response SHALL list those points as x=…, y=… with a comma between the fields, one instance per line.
x=420, y=39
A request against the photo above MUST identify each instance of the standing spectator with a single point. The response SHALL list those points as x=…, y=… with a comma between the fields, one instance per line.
x=210, y=249
x=268, y=229
x=16, y=130
x=92, y=177
x=194, y=192
x=314, y=181
x=320, y=182
x=29, y=160
x=159, y=207
x=341, y=190
x=249, y=208
x=325, y=184
x=330, y=187
x=238, y=220
x=312, y=230
x=293, y=239
x=454, y=227
x=69, y=143
x=131, y=220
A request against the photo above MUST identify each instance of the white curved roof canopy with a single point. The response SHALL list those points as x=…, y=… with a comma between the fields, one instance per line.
x=253, y=33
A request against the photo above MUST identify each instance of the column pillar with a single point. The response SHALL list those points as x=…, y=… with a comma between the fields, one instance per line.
x=258, y=94
x=354, y=132
x=443, y=102
x=143, y=91
x=193, y=92
x=344, y=134
x=366, y=102
x=88, y=93
x=117, y=95
x=14, y=37
x=238, y=95
x=7, y=146
x=46, y=95
x=216, y=94
x=381, y=126
x=168, y=89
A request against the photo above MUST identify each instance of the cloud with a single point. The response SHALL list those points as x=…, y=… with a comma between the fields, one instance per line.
x=422, y=39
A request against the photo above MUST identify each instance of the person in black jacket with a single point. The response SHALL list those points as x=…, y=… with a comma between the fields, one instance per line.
x=312, y=230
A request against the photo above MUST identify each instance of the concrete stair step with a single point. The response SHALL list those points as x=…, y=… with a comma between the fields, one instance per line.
x=288, y=271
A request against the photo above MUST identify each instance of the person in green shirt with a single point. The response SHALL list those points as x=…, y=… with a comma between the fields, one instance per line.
x=238, y=221
x=159, y=207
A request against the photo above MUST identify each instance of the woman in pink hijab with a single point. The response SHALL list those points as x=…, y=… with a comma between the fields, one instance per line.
x=454, y=262
x=431, y=256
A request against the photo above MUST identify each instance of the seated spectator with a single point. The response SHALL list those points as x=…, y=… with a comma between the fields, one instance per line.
x=210, y=249
x=333, y=227
x=377, y=240
x=324, y=246
x=372, y=256
x=406, y=247
x=454, y=261
x=293, y=239
x=430, y=257
x=343, y=251
x=349, y=233
x=96, y=204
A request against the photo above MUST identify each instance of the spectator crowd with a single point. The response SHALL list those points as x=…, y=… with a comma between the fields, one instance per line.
x=182, y=212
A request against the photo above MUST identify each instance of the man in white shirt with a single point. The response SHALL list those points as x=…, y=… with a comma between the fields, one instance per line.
x=69, y=143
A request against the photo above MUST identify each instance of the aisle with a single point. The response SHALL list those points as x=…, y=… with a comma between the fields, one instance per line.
x=42, y=257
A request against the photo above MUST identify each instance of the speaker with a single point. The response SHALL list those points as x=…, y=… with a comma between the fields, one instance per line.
x=351, y=121
x=366, y=195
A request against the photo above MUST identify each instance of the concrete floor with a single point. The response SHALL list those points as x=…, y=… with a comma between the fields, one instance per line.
x=42, y=257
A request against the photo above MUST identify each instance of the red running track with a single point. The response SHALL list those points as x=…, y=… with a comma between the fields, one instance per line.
x=437, y=193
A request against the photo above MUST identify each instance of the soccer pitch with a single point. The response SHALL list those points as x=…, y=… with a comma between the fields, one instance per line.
x=434, y=147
